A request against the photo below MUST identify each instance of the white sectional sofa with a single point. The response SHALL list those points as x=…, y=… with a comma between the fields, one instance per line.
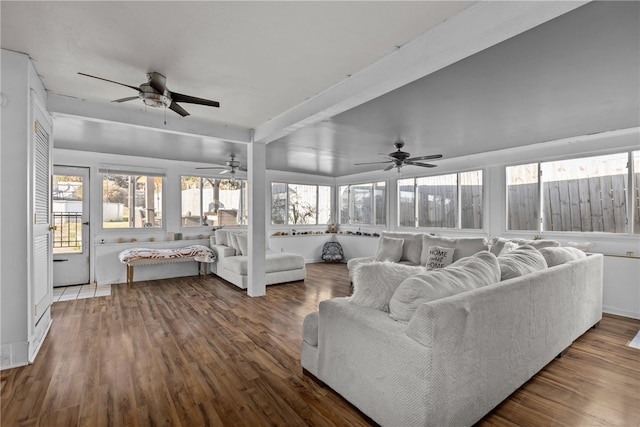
x=230, y=247
x=413, y=347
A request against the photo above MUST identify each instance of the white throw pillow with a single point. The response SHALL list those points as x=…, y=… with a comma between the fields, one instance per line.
x=233, y=242
x=556, y=256
x=524, y=260
x=375, y=282
x=466, y=274
x=221, y=237
x=241, y=240
x=439, y=257
x=389, y=249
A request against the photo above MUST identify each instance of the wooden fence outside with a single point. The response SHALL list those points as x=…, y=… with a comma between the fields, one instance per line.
x=437, y=206
x=589, y=204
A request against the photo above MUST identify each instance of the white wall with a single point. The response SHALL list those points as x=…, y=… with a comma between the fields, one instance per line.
x=18, y=79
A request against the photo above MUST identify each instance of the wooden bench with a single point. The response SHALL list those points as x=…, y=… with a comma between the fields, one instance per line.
x=145, y=256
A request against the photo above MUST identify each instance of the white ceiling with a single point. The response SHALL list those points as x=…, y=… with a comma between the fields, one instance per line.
x=311, y=77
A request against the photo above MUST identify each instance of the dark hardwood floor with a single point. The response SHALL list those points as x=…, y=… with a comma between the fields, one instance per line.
x=197, y=351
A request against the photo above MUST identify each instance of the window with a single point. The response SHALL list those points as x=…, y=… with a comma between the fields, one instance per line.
x=444, y=201
x=213, y=202
x=131, y=200
x=362, y=204
x=585, y=195
x=300, y=203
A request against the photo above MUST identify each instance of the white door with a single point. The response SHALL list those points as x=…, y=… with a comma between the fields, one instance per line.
x=70, y=195
x=40, y=260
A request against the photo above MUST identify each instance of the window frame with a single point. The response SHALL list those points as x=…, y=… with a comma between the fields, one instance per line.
x=244, y=190
x=287, y=202
x=137, y=173
x=351, y=201
x=631, y=190
x=458, y=199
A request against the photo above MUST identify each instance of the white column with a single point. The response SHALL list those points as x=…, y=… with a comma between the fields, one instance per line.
x=256, y=153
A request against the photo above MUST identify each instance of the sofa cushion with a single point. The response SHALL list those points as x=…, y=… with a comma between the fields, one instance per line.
x=523, y=260
x=480, y=269
x=274, y=261
x=464, y=246
x=221, y=237
x=374, y=283
x=556, y=256
x=389, y=249
x=439, y=257
x=498, y=244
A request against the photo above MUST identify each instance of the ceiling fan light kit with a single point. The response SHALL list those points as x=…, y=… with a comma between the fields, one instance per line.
x=155, y=93
x=231, y=166
x=399, y=158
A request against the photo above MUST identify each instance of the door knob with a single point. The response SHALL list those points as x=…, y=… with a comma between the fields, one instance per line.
x=52, y=228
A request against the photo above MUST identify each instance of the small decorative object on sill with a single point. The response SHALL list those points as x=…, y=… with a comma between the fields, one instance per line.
x=152, y=239
x=171, y=235
x=177, y=236
x=121, y=240
x=133, y=240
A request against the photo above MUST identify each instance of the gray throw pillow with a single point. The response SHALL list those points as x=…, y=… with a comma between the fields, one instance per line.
x=523, y=260
x=556, y=256
x=498, y=244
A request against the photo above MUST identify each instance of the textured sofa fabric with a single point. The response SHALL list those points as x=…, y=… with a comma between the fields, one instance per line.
x=280, y=267
x=459, y=356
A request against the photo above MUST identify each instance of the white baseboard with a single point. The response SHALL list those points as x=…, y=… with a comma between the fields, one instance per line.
x=619, y=312
x=14, y=354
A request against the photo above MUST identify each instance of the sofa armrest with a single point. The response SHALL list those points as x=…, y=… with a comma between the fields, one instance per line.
x=223, y=251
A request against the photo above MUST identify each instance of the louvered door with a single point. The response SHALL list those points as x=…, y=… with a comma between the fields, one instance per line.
x=41, y=285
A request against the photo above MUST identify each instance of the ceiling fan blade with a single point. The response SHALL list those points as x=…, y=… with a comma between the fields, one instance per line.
x=225, y=171
x=110, y=81
x=158, y=82
x=241, y=169
x=178, y=97
x=388, y=168
x=424, y=165
x=129, y=98
x=178, y=109
x=372, y=163
x=431, y=157
x=211, y=168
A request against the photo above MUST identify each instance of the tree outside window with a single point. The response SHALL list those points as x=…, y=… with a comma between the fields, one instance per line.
x=300, y=203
